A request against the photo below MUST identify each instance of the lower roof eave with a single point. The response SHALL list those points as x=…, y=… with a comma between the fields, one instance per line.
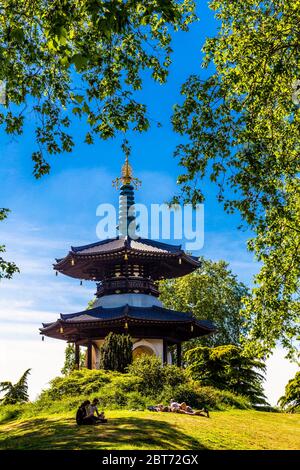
x=85, y=329
x=130, y=320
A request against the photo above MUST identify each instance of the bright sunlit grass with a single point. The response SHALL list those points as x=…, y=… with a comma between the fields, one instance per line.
x=236, y=429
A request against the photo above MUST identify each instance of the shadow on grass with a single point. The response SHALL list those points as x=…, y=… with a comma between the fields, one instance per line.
x=47, y=434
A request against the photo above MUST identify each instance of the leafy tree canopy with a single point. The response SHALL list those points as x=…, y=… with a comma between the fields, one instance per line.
x=227, y=368
x=7, y=268
x=63, y=59
x=211, y=292
x=291, y=399
x=15, y=393
x=242, y=124
x=67, y=59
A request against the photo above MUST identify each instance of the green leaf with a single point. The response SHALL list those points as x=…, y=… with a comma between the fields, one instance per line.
x=78, y=98
x=79, y=61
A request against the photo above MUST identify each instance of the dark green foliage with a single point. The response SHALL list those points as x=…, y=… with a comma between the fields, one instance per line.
x=7, y=268
x=10, y=412
x=166, y=382
x=77, y=383
x=240, y=125
x=227, y=368
x=149, y=370
x=116, y=352
x=154, y=376
x=116, y=390
x=198, y=397
x=69, y=60
x=147, y=383
x=211, y=292
x=99, y=48
x=113, y=389
x=69, y=364
x=290, y=401
x=15, y=393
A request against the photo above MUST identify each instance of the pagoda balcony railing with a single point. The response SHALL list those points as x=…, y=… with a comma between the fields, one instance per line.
x=118, y=285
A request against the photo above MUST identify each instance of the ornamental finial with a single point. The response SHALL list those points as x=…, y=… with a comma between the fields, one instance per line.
x=126, y=177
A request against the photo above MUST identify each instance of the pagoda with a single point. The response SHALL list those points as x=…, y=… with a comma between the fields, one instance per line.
x=127, y=299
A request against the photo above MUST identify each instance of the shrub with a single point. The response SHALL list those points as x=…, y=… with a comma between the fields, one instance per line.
x=136, y=401
x=116, y=352
x=147, y=382
x=111, y=397
x=81, y=382
x=198, y=397
x=116, y=390
x=290, y=401
x=53, y=406
x=182, y=393
x=126, y=382
x=173, y=375
x=149, y=370
x=227, y=368
x=10, y=412
x=154, y=376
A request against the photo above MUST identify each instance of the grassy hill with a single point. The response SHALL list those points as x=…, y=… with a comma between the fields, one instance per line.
x=48, y=423
x=231, y=429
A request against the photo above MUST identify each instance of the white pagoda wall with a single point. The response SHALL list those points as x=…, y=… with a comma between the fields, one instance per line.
x=155, y=344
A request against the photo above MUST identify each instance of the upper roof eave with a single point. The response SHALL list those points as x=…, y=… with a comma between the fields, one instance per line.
x=75, y=249
x=127, y=242
x=171, y=254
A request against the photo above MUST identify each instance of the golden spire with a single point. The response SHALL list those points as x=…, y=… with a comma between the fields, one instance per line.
x=126, y=177
x=126, y=172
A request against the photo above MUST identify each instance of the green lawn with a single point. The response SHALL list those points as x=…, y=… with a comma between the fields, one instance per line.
x=160, y=431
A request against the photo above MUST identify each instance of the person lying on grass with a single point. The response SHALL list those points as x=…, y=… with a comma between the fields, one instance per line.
x=182, y=408
x=162, y=408
x=186, y=409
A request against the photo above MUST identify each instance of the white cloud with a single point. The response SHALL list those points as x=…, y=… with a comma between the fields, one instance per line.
x=18, y=315
x=18, y=330
x=44, y=358
x=279, y=372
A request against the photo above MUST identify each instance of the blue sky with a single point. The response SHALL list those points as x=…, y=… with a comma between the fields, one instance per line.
x=51, y=214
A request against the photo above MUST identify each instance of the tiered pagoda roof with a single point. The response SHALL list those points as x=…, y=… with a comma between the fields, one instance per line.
x=156, y=321
x=91, y=262
x=125, y=266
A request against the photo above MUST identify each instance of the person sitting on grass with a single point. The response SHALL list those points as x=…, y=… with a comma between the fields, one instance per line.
x=81, y=415
x=86, y=413
x=93, y=414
